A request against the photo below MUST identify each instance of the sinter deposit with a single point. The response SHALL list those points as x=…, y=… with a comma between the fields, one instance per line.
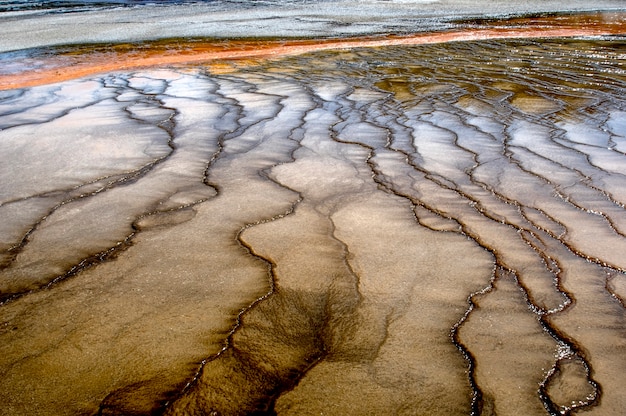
x=413, y=230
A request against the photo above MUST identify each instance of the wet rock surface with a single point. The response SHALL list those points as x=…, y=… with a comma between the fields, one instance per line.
x=433, y=229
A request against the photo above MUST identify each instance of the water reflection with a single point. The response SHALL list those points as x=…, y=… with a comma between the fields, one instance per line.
x=434, y=229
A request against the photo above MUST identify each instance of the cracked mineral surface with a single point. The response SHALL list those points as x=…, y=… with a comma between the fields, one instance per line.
x=423, y=229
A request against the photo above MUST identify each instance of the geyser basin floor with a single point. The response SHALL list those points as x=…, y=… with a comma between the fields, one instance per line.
x=429, y=229
x=45, y=66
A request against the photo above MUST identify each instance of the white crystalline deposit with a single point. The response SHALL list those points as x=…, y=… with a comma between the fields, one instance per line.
x=26, y=29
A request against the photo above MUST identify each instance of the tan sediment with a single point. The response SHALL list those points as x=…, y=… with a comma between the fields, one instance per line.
x=97, y=59
x=315, y=232
x=301, y=277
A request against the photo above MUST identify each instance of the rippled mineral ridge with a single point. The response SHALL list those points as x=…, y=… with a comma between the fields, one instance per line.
x=412, y=230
